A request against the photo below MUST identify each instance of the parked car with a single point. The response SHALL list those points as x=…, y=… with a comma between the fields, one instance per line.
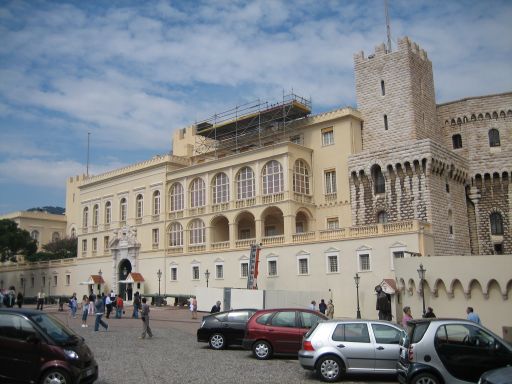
x=497, y=376
x=451, y=351
x=36, y=347
x=224, y=328
x=272, y=331
x=334, y=348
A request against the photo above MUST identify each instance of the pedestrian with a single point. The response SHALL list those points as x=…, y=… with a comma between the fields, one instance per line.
x=19, y=299
x=407, y=316
x=312, y=306
x=40, y=299
x=11, y=297
x=144, y=314
x=330, y=310
x=383, y=304
x=100, y=310
x=108, y=305
x=1, y=298
x=430, y=313
x=472, y=316
x=193, y=307
x=113, y=298
x=73, y=305
x=136, y=305
x=92, y=299
x=322, y=307
x=215, y=308
x=85, y=310
x=119, y=307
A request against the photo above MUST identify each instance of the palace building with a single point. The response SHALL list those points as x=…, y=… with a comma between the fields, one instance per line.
x=374, y=191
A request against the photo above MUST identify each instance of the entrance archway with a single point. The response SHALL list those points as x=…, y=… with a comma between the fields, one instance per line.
x=123, y=270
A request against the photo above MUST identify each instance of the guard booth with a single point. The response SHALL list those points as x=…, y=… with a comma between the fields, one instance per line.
x=95, y=284
x=134, y=282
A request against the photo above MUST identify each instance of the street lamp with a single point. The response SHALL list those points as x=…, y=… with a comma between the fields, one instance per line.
x=159, y=275
x=421, y=273
x=356, y=280
x=207, y=276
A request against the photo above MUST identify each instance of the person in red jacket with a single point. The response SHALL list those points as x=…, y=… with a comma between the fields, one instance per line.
x=119, y=307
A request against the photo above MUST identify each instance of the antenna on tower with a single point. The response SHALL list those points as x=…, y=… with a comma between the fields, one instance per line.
x=88, y=141
x=388, y=28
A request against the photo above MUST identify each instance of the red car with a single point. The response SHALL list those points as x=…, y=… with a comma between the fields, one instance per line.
x=279, y=330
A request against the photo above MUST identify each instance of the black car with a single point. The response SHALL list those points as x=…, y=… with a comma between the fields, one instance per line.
x=35, y=347
x=224, y=328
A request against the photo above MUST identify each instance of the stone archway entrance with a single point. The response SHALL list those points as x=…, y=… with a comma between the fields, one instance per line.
x=125, y=251
x=123, y=270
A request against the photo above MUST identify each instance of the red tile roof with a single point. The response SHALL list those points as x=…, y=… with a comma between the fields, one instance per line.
x=137, y=277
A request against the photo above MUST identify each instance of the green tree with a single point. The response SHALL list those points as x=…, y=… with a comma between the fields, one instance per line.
x=14, y=241
x=63, y=248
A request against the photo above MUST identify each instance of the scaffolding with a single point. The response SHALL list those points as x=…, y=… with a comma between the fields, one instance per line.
x=250, y=125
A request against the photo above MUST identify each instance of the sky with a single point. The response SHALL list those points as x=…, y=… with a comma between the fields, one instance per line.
x=126, y=74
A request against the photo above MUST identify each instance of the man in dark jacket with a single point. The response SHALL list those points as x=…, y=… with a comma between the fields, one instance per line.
x=215, y=308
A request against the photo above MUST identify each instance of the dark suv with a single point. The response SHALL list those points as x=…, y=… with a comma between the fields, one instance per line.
x=36, y=348
x=281, y=330
x=451, y=351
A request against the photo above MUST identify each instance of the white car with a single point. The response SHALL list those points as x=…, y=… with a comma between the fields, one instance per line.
x=333, y=348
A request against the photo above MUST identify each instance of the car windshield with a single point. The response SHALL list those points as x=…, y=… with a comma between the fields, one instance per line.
x=55, y=330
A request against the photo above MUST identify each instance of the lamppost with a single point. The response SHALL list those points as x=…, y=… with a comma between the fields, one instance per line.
x=99, y=283
x=207, y=276
x=421, y=273
x=356, y=280
x=159, y=275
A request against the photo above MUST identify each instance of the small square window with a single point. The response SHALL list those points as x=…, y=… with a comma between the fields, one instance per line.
x=327, y=136
x=244, y=269
x=332, y=263
x=333, y=223
x=195, y=272
x=68, y=279
x=303, y=266
x=219, y=271
x=272, y=267
x=364, y=262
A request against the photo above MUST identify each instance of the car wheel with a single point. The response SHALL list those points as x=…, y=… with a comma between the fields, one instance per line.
x=329, y=368
x=262, y=350
x=425, y=378
x=217, y=341
x=55, y=376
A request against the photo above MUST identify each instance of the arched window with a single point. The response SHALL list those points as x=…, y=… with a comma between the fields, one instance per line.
x=457, y=141
x=197, y=232
x=245, y=184
x=108, y=212
x=382, y=217
x=156, y=203
x=139, y=206
x=122, y=209
x=379, y=184
x=176, y=197
x=73, y=232
x=272, y=178
x=494, y=138
x=55, y=236
x=175, y=235
x=220, y=188
x=85, y=217
x=301, y=177
x=35, y=235
x=95, y=215
x=197, y=193
x=496, y=224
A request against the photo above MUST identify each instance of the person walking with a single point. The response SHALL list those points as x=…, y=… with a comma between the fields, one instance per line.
x=40, y=300
x=119, y=307
x=472, y=316
x=136, y=305
x=11, y=297
x=85, y=310
x=144, y=313
x=108, y=305
x=100, y=310
x=322, y=307
x=19, y=299
x=312, y=306
x=215, y=308
x=193, y=307
x=92, y=300
x=73, y=305
x=330, y=310
x=429, y=314
x=407, y=316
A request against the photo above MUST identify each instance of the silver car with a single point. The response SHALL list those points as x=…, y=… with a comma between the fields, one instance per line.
x=334, y=348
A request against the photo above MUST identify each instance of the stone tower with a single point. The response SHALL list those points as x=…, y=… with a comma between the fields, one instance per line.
x=405, y=172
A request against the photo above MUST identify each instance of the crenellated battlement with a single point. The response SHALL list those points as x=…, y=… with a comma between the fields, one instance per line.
x=405, y=45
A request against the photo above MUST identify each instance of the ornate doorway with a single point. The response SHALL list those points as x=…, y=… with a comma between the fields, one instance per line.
x=123, y=270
